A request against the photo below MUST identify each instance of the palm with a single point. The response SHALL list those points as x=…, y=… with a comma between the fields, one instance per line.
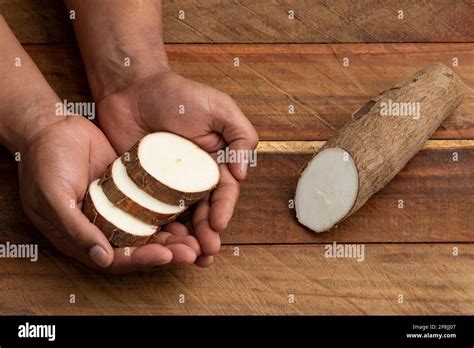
x=56, y=169
x=169, y=102
x=55, y=172
x=163, y=102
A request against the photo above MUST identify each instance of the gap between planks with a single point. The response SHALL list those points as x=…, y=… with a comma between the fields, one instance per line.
x=312, y=146
x=270, y=244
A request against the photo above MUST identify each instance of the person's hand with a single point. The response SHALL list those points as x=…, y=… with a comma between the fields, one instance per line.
x=166, y=101
x=55, y=169
x=137, y=93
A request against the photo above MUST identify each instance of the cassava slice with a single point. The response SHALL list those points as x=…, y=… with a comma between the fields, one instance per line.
x=126, y=195
x=121, y=229
x=371, y=149
x=171, y=168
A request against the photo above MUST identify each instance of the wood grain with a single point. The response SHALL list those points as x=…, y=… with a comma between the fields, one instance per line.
x=309, y=77
x=437, y=194
x=38, y=21
x=259, y=281
x=267, y=21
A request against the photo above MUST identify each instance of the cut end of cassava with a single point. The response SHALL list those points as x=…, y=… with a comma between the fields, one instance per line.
x=121, y=228
x=327, y=189
x=172, y=168
x=178, y=163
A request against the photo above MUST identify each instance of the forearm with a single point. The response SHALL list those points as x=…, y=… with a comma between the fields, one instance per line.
x=120, y=41
x=27, y=102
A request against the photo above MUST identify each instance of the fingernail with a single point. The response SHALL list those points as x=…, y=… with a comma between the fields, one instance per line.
x=243, y=169
x=98, y=255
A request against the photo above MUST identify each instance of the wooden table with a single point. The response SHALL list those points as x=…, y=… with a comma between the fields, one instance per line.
x=269, y=263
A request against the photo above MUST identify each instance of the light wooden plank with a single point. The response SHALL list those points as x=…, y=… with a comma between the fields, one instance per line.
x=312, y=78
x=259, y=281
x=312, y=146
x=437, y=194
x=267, y=21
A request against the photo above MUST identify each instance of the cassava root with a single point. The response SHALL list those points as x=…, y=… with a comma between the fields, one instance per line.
x=372, y=148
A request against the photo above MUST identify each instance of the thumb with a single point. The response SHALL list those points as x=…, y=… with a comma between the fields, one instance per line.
x=87, y=237
x=90, y=238
x=237, y=131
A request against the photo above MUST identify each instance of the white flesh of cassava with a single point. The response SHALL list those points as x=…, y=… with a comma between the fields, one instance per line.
x=177, y=162
x=327, y=189
x=115, y=216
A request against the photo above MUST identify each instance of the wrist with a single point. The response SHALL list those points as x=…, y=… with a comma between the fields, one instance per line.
x=127, y=66
x=20, y=126
x=120, y=42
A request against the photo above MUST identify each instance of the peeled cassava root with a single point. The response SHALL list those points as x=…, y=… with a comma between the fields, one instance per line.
x=371, y=149
x=149, y=186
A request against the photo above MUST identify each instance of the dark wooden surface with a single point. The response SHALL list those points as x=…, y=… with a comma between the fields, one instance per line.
x=408, y=251
x=267, y=21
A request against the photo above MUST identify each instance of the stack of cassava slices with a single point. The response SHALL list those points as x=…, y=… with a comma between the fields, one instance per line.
x=149, y=186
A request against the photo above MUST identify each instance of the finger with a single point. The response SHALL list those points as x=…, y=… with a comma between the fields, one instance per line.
x=68, y=248
x=204, y=260
x=208, y=238
x=210, y=142
x=190, y=241
x=89, y=238
x=237, y=131
x=182, y=254
x=85, y=236
x=223, y=200
x=160, y=237
x=177, y=229
x=181, y=235
x=140, y=259
x=166, y=239
x=67, y=217
x=186, y=216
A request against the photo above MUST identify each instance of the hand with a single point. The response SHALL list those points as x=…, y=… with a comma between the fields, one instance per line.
x=55, y=169
x=209, y=118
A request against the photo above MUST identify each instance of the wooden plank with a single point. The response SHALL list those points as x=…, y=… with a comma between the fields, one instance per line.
x=309, y=77
x=309, y=147
x=431, y=280
x=38, y=21
x=325, y=21
x=46, y=21
x=437, y=194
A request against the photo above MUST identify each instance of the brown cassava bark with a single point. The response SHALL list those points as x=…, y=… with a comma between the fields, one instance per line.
x=116, y=236
x=120, y=200
x=382, y=145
